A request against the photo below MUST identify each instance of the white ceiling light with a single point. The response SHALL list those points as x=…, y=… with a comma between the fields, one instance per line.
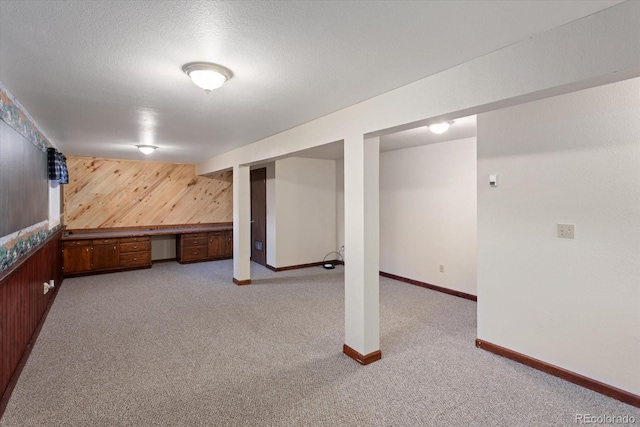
x=146, y=149
x=206, y=75
x=440, y=128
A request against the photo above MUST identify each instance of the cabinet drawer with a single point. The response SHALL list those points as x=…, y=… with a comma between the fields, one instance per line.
x=190, y=235
x=135, y=246
x=134, y=239
x=192, y=253
x=194, y=241
x=219, y=233
x=135, y=259
x=75, y=243
x=105, y=241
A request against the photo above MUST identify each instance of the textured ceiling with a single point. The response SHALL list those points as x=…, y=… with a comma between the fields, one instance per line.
x=101, y=76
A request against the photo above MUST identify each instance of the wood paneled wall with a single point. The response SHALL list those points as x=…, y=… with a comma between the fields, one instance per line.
x=23, y=304
x=107, y=193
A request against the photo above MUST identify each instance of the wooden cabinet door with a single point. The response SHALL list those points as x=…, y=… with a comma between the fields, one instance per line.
x=77, y=259
x=229, y=251
x=221, y=244
x=217, y=244
x=105, y=256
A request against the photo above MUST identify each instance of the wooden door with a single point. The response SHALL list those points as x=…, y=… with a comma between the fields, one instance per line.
x=106, y=255
x=259, y=216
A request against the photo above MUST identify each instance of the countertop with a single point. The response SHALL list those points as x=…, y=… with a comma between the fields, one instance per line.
x=142, y=231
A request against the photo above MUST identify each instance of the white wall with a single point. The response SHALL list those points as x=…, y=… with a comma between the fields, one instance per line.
x=305, y=213
x=55, y=192
x=428, y=214
x=573, y=159
x=340, y=205
x=163, y=247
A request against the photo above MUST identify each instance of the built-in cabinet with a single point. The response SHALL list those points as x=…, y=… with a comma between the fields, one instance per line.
x=196, y=247
x=135, y=252
x=76, y=256
x=89, y=252
x=105, y=254
x=99, y=255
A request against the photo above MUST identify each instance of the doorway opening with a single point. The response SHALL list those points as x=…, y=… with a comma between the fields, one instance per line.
x=258, y=179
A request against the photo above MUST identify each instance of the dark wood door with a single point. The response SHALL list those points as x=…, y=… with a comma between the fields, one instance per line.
x=105, y=256
x=259, y=216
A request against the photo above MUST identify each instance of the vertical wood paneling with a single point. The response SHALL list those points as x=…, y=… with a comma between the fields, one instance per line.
x=108, y=193
x=22, y=303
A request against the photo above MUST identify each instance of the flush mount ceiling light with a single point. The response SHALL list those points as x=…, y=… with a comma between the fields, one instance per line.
x=206, y=75
x=146, y=149
x=440, y=128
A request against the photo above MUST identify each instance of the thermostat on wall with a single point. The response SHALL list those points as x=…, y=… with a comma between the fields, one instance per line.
x=493, y=180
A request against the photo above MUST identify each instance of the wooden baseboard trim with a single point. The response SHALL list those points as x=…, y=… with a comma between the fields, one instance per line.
x=4, y=400
x=591, y=384
x=295, y=267
x=430, y=286
x=109, y=271
x=362, y=359
x=241, y=282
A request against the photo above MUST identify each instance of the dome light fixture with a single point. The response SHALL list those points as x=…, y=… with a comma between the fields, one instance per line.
x=146, y=149
x=206, y=75
x=440, y=128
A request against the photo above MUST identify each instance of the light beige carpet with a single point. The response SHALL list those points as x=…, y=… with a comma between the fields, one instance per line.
x=181, y=345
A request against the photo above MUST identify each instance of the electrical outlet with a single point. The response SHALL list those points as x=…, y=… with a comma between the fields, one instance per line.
x=566, y=231
x=48, y=286
x=441, y=268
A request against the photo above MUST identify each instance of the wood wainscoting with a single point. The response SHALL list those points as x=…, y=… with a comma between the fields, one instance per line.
x=24, y=306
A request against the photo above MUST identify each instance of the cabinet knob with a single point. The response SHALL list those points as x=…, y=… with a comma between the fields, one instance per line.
x=87, y=250
x=135, y=259
x=135, y=247
x=114, y=247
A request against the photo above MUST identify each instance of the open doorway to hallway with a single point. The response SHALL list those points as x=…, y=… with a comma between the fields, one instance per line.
x=259, y=216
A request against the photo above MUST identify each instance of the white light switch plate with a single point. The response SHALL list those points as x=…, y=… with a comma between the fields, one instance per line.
x=566, y=231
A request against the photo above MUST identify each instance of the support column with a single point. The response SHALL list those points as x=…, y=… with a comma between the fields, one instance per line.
x=362, y=248
x=241, y=225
